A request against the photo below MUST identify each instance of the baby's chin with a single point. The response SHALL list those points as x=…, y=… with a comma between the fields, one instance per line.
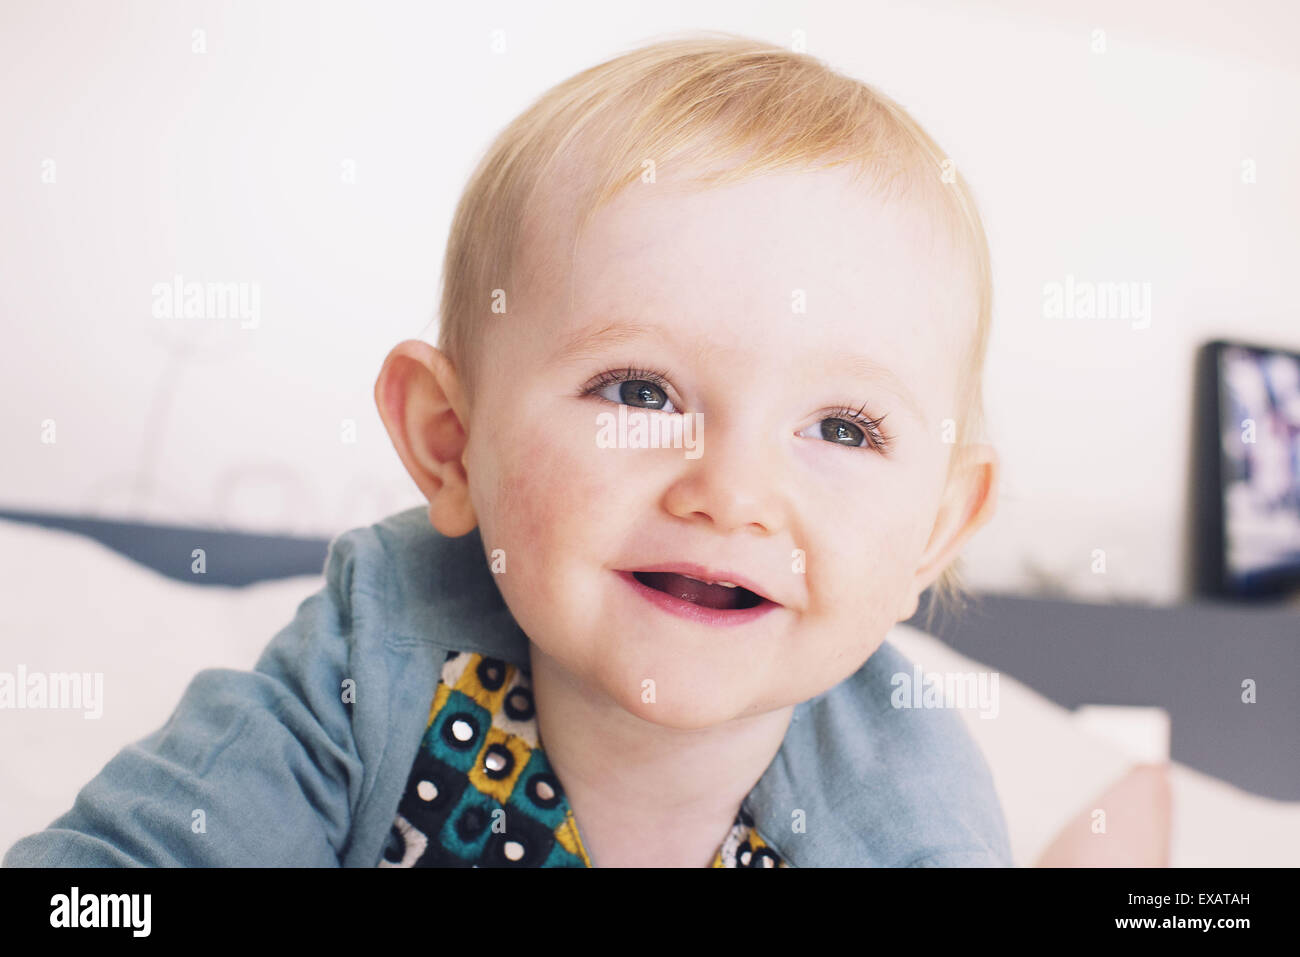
x=685, y=716
x=673, y=698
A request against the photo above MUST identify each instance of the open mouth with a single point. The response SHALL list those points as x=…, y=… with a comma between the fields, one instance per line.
x=719, y=596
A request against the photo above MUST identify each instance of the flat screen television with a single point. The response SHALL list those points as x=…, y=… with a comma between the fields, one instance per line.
x=1248, y=470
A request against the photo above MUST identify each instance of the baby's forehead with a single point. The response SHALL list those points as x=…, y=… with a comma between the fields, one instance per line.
x=822, y=234
x=830, y=206
x=823, y=228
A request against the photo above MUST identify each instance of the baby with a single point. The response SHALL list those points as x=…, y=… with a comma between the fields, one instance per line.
x=702, y=425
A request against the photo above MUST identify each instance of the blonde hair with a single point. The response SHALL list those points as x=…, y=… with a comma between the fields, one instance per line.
x=693, y=100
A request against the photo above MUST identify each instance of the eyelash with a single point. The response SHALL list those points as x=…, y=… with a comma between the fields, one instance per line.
x=879, y=440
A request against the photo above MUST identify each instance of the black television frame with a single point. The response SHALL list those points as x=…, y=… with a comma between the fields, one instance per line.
x=1212, y=574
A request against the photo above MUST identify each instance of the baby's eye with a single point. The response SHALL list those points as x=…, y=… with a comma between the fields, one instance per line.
x=642, y=393
x=850, y=428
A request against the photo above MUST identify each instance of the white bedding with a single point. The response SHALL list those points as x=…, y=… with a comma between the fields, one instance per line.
x=69, y=604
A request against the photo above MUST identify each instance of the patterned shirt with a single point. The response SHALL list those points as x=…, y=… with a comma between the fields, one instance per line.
x=482, y=794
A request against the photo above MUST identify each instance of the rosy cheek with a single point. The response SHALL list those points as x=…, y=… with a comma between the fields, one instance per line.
x=871, y=550
x=545, y=485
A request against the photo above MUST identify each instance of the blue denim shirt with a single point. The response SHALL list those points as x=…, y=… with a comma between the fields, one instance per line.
x=274, y=767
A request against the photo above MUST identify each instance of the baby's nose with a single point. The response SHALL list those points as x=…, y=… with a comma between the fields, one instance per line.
x=733, y=483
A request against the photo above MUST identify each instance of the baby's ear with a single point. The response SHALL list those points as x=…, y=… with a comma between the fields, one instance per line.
x=968, y=501
x=420, y=399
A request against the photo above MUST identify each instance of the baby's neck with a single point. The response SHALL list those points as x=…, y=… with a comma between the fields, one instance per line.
x=644, y=795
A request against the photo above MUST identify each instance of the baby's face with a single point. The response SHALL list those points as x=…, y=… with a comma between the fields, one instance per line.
x=753, y=297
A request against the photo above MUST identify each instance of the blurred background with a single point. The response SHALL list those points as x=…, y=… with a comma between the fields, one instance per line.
x=316, y=151
x=310, y=154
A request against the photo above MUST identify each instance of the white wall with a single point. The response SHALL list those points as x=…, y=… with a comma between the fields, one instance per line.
x=226, y=165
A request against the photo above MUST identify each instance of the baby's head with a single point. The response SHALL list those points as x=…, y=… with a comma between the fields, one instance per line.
x=723, y=228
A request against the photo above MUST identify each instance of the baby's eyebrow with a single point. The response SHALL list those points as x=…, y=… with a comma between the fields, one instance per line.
x=864, y=367
x=587, y=343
